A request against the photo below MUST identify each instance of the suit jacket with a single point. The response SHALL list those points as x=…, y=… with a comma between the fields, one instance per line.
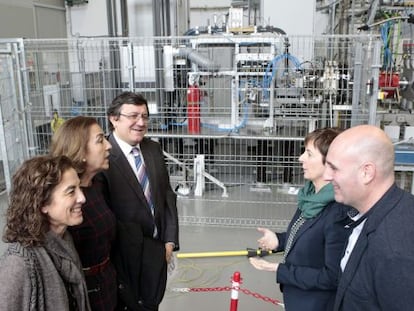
x=126, y=199
x=309, y=276
x=379, y=274
x=141, y=269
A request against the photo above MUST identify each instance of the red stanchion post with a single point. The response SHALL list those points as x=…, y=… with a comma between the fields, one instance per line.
x=235, y=286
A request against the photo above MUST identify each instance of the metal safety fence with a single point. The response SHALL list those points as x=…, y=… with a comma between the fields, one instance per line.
x=230, y=110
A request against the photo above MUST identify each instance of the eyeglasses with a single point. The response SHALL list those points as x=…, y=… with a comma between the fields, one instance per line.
x=136, y=116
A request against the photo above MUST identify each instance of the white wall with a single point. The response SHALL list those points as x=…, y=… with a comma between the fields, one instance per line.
x=91, y=19
x=140, y=18
x=321, y=23
x=88, y=19
x=295, y=17
x=202, y=12
x=17, y=17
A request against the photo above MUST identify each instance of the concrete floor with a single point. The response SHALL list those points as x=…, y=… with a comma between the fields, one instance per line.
x=208, y=277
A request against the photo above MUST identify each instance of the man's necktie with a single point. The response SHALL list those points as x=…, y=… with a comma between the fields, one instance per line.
x=355, y=223
x=143, y=177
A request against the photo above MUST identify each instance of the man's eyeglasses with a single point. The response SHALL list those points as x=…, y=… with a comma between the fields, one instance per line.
x=135, y=116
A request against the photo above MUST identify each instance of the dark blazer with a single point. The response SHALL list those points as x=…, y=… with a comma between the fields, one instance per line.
x=127, y=201
x=309, y=277
x=379, y=274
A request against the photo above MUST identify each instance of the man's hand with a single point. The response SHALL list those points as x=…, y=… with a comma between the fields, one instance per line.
x=168, y=251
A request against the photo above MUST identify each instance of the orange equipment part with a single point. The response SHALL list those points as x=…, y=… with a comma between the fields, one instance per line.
x=193, y=109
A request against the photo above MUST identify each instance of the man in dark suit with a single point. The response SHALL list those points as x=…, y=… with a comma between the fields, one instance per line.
x=377, y=266
x=147, y=217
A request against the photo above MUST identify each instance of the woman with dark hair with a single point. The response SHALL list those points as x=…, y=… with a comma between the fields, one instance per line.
x=315, y=238
x=83, y=141
x=40, y=269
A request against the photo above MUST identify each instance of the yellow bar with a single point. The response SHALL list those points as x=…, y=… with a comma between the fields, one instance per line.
x=249, y=252
x=212, y=254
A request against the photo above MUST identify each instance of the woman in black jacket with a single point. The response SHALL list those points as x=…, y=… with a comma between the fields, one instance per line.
x=315, y=238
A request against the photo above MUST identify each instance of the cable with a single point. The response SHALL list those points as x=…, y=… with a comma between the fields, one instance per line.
x=267, y=80
x=409, y=19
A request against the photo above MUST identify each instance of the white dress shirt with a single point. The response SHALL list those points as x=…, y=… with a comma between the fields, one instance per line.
x=353, y=238
x=126, y=150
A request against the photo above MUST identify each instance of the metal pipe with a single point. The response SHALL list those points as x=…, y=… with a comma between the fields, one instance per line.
x=376, y=65
x=23, y=94
x=357, y=86
x=200, y=60
x=124, y=18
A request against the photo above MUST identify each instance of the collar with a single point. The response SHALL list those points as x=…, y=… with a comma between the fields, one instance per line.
x=378, y=211
x=357, y=220
x=384, y=206
x=125, y=147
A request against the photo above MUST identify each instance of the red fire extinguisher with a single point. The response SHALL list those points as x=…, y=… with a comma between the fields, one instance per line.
x=193, y=109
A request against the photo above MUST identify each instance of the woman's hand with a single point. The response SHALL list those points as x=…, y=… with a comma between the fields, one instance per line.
x=261, y=264
x=268, y=241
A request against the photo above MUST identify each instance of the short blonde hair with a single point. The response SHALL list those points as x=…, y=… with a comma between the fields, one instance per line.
x=71, y=140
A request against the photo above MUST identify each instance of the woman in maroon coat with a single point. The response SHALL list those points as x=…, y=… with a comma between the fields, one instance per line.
x=83, y=141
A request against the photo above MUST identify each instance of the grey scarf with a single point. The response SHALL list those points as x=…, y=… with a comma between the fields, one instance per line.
x=67, y=263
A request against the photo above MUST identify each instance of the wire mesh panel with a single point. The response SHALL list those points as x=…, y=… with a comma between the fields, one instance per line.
x=13, y=144
x=230, y=110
